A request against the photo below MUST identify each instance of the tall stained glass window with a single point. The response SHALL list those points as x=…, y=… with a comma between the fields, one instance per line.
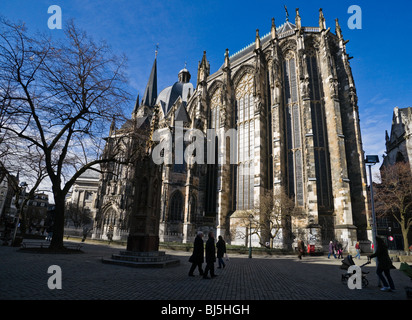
x=176, y=207
x=322, y=163
x=293, y=130
x=212, y=172
x=245, y=125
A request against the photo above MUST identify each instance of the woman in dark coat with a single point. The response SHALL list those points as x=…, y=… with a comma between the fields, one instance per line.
x=221, y=250
x=384, y=264
x=197, y=258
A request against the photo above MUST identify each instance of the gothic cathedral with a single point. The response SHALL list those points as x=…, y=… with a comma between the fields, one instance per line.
x=288, y=105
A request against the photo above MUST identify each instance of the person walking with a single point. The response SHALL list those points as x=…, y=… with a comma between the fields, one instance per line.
x=221, y=250
x=197, y=257
x=384, y=264
x=301, y=249
x=357, y=247
x=331, y=250
x=210, y=256
x=339, y=250
x=85, y=232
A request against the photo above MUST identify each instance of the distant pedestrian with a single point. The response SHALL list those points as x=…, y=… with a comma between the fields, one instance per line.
x=49, y=234
x=210, y=256
x=339, y=250
x=85, y=231
x=357, y=247
x=221, y=250
x=384, y=264
x=301, y=249
x=331, y=250
x=197, y=257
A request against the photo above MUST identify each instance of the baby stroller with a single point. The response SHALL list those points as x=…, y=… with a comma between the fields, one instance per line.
x=346, y=263
x=407, y=270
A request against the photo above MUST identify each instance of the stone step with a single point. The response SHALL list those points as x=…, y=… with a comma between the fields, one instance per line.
x=155, y=264
x=136, y=258
x=143, y=254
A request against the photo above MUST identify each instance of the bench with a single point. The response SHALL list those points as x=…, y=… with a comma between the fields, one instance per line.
x=42, y=244
x=35, y=244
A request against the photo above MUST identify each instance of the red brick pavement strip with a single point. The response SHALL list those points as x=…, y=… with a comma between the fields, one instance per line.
x=23, y=276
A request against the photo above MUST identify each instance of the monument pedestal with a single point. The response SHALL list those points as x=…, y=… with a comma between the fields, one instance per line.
x=142, y=252
x=151, y=259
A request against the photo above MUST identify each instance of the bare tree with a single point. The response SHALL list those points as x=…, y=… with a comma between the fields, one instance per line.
x=394, y=196
x=60, y=97
x=80, y=216
x=271, y=214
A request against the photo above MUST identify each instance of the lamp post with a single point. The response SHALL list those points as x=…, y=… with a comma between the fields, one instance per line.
x=250, y=235
x=23, y=186
x=370, y=161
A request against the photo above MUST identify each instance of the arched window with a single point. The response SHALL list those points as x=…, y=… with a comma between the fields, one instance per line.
x=212, y=165
x=317, y=109
x=110, y=217
x=176, y=207
x=245, y=124
x=293, y=129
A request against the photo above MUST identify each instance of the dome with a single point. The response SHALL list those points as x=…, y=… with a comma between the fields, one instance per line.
x=181, y=88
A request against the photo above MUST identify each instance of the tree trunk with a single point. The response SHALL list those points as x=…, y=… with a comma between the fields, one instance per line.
x=58, y=225
x=405, y=239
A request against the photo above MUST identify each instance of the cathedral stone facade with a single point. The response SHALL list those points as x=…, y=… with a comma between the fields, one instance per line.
x=288, y=105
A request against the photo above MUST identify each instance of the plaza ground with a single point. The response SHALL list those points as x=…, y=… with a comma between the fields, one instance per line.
x=266, y=280
x=24, y=276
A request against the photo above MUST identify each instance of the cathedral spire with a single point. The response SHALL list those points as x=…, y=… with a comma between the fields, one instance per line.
x=322, y=22
x=150, y=94
x=227, y=62
x=203, y=69
x=273, y=29
x=338, y=30
x=257, y=40
x=136, y=105
x=298, y=20
x=287, y=13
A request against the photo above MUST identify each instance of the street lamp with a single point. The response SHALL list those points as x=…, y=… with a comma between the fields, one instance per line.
x=23, y=187
x=370, y=161
x=250, y=235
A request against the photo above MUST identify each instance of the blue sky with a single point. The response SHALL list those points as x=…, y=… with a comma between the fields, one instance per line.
x=184, y=29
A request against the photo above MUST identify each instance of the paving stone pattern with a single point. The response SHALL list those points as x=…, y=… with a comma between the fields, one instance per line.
x=23, y=276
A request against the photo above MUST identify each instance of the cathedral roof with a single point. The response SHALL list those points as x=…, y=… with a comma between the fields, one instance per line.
x=169, y=95
x=287, y=26
x=181, y=114
x=150, y=93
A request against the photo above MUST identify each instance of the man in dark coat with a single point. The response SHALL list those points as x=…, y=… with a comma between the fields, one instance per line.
x=210, y=256
x=301, y=249
x=221, y=250
x=197, y=258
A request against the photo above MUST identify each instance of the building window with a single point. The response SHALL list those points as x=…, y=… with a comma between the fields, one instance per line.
x=212, y=168
x=293, y=130
x=245, y=124
x=322, y=162
x=176, y=207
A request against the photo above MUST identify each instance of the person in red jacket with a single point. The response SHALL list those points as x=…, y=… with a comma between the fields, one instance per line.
x=357, y=247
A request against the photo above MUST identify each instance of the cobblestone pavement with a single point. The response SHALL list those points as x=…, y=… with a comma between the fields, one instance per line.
x=24, y=276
